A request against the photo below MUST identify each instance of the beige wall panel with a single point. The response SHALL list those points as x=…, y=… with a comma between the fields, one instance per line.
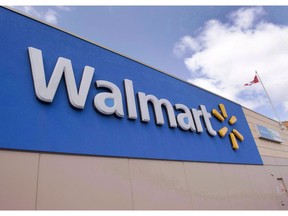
x=255, y=134
x=273, y=146
x=258, y=118
x=206, y=186
x=268, y=160
x=239, y=188
x=272, y=173
x=159, y=185
x=265, y=147
x=18, y=180
x=284, y=174
x=82, y=182
x=263, y=193
x=272, y=153
x=254, y=118
x=251, y=123
x=281, y=161
x=284, y=197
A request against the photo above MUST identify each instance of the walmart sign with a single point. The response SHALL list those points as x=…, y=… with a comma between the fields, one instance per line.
x=63, y=94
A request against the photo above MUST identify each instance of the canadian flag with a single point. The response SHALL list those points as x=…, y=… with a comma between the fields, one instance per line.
x=255, y=80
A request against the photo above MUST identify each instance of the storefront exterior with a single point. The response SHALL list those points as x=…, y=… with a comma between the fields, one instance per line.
x=86, y=128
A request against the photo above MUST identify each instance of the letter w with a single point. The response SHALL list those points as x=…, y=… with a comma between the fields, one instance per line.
x=63, y=66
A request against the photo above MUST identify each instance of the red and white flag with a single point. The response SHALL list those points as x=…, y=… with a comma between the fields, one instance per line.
x=255, y=80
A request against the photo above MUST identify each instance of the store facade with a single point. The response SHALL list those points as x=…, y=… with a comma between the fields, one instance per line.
x=84, y=127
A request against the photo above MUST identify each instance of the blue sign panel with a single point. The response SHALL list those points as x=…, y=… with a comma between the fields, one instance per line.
x=63, y=94
x=269, y=134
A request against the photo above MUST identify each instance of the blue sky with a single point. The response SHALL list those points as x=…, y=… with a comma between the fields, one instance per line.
x=215, y=47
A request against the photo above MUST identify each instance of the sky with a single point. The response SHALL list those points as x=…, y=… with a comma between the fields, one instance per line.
x=217, y=48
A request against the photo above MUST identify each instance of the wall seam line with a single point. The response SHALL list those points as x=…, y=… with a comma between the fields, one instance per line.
x=131, y=188
x=188, y=186
x=228, y=196
x=37, y=185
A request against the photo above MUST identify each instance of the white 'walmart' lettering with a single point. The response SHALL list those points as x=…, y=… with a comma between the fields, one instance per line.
x=187, y=119
x=63, y=66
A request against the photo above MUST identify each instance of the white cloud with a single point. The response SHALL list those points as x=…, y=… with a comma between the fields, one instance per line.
x=29, y=10
x=46, y=14
x=185, y=44
x=224, y=56
x=245, y=17
x=50, y=16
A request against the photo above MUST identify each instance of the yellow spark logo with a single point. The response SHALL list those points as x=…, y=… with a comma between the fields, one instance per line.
x=223, y=131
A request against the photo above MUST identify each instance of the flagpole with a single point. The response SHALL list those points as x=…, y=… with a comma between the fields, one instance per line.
x=269, y=98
